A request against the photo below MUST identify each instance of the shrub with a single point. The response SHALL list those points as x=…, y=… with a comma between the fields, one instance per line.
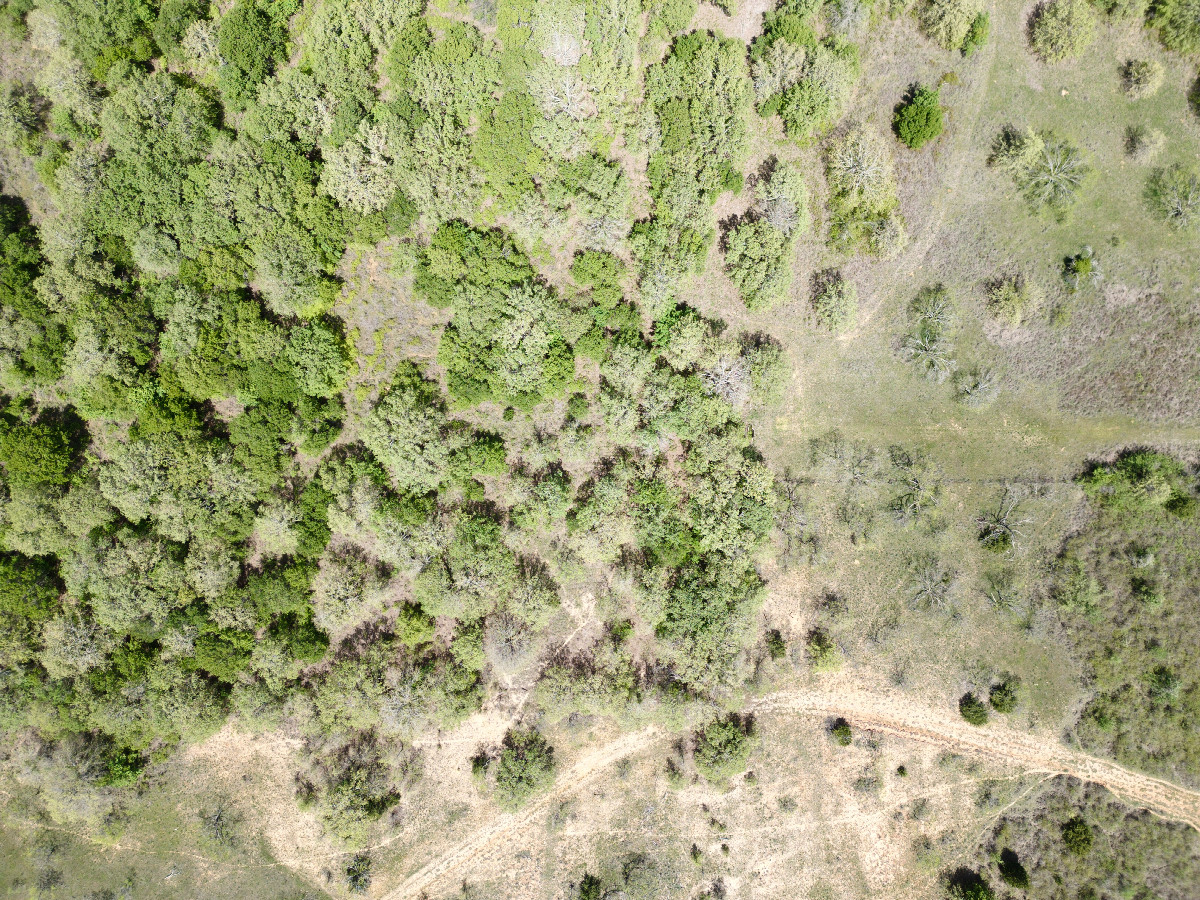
x=1178, y=23
x=1005, y=695
x=776, y=647
x=835, y=301
x=1056, y=176
x=1047, y=170
x=1077, y=836
x=841, y=733
x=1062, y=29
x=1010, y=296
x=918, y=120
x=1141, y=78
x=1012, y=871
x=823, y=651
x=977, y=34
x=358, y=874
x=723, y=747
x=973, y=709
x=1143, y=144
x=967, y=885
x=1173, y=194
x=1082, y=269
x=525, y=767
x=949, y=22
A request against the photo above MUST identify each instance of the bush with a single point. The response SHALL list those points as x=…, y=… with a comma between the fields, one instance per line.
x=723, y=747
x=973, y=709
x=835, y=301
x=1141, y=78
x=1178, y=23
x=525, y=767
x=1077, y=836
x=1011, y=870
x=776, y=647
x=1173, y=194
x=1143, y=144
x=1005, y=695
x=1062, y=29
x=841, y=733
x=950, y=22
x=1049, y=171
x=918, y=120
x=1009, y=297
x=823, y=651
x=977, y=34
x=358, y=874
x=967, y=885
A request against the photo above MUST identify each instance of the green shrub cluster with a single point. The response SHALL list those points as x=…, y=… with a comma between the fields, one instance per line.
x=699, y=96
x=1076, y=838
x=1127, y=572
x=918, y=119
x=863, y=204
x=758, y=249
x=723, y=747
x=1062, y=29
x=1048, y=170
x=807, y=81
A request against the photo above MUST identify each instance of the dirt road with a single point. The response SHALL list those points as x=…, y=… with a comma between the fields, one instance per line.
x=890, y=714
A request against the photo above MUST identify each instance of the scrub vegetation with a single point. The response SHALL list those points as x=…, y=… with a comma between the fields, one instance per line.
x=420, y=420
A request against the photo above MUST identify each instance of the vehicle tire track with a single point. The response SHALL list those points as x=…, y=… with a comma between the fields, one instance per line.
x=881, y=712
x=574, y=778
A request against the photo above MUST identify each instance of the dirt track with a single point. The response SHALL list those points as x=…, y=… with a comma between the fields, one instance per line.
x=890, y=714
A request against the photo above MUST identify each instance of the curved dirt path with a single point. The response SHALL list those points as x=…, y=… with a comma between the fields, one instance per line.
x=880, y=712
x=1034, y=754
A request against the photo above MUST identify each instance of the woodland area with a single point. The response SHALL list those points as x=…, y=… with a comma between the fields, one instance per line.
x=219, y=509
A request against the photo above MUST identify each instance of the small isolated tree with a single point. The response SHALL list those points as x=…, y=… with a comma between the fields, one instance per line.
x=1005, y=695
x=976, y=386
x=973, y=709
x=950, y=22
x=977, y=34
x=1141, y=78
x=723, y=747
x=358, y=874
x=525, y=767
x=1077, y=836
x=1011, y=870
x=1174, y=195
x=930, y=582
x=835, y=300
x=841, y=732
x=1010, y=296
x=1178, y=23
x=1143, y=144
x=1062, y=29
x=918, y=119
x=967, y=885
x=999, y=527
x=1082, y=269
